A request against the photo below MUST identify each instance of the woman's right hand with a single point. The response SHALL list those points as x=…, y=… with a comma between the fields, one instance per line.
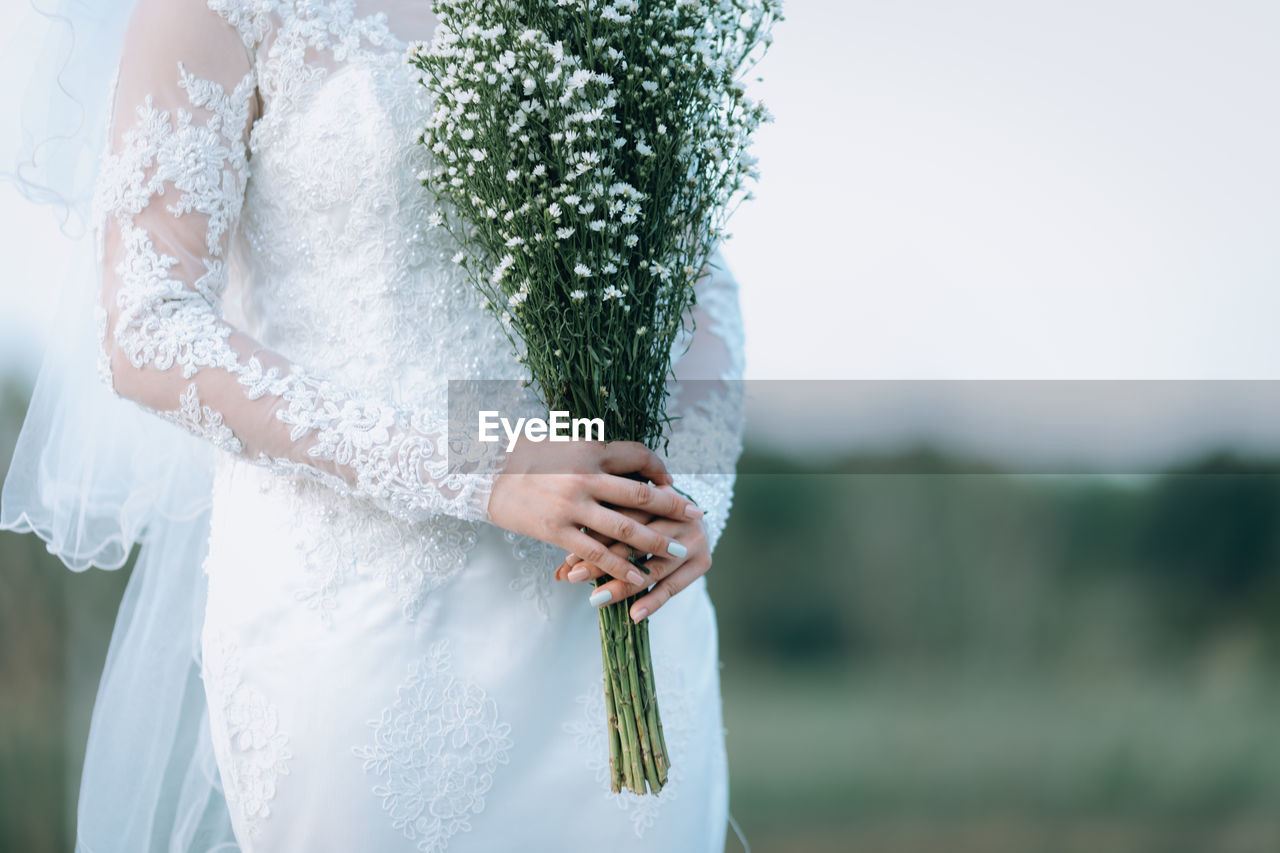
x=552, y=491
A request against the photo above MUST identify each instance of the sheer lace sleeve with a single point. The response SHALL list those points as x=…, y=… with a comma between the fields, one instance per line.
x=168, y=198
x=706, y=437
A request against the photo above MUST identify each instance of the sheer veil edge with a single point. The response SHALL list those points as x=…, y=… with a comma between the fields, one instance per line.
x=94, y=475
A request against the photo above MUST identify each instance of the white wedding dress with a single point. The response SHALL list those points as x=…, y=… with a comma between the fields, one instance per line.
x=384, y=669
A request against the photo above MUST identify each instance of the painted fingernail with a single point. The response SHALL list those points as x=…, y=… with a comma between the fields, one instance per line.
x=692, y=512
x=639, y=613
x=675, y=549
x=601, y=596
x=578, y=573
x=635, y=578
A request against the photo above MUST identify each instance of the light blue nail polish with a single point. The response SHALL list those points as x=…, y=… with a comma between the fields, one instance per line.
x=675, y=549
x=601, y=596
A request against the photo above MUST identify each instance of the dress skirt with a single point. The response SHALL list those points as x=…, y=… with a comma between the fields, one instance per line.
x=380, y=686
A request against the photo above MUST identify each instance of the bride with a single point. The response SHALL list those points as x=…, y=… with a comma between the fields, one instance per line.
x=332, y=640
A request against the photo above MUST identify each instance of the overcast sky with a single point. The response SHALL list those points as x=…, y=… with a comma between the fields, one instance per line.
x=989, y=189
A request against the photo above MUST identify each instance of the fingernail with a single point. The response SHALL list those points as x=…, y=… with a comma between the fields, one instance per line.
x=692, y=511
x=601, y=596
x=635, y=578
x=675, y=549
x=639, y=613
x=578, y=573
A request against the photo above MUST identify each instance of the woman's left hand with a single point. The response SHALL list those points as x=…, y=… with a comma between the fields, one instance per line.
x=668, y=574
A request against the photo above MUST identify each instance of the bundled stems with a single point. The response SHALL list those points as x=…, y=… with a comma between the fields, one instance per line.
x=586, y=156
x=638, y=760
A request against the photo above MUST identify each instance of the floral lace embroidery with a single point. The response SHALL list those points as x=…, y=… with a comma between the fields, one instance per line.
x=203, y=421
x=260, y=751
x=251, y=18
x=708, y=439
x=435, y=751
x=537, y=561
x=676, y=703
x=304, y=28
x=339, y=538
x=164, y=322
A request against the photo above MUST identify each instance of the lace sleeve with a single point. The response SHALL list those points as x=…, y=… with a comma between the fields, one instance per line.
x=707, y=403
x=168, y=197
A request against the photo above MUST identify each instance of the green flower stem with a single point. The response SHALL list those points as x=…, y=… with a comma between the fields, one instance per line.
x=662, y=763
x=640, y=702
x=615, y=744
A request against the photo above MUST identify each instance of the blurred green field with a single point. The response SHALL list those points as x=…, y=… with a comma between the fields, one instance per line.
x=917, y=662
x=824, y=761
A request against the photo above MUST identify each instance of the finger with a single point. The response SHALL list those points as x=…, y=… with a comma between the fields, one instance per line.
x=584, y=571
x=667, y=587
x=597, y=554
x=631, y=457
x=642, y=537
x=622, y=492
x=570, y=560
x=616, y=590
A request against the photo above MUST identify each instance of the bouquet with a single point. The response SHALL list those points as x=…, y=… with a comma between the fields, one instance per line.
x=587, y=156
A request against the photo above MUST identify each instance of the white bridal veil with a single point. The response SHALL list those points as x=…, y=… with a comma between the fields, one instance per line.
x=93, y=474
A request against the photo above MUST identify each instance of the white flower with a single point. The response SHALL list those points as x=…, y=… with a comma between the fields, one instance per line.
x=435, y=220
x=583, y=270
x=564, y=233
x=631, y=241
x=512, y=176
x=554, y=210
x=578, y=295
x=515, y=241
x=611, y=292
x=478, y=154
x=500, y=271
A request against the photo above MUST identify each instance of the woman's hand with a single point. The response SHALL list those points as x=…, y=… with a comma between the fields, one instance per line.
x=552, y=491
x=671, y=573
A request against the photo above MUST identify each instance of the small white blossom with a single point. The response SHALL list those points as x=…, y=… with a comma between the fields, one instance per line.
x=500, y=271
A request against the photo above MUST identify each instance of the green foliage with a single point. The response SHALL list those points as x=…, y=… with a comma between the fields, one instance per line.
x=587, y=156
